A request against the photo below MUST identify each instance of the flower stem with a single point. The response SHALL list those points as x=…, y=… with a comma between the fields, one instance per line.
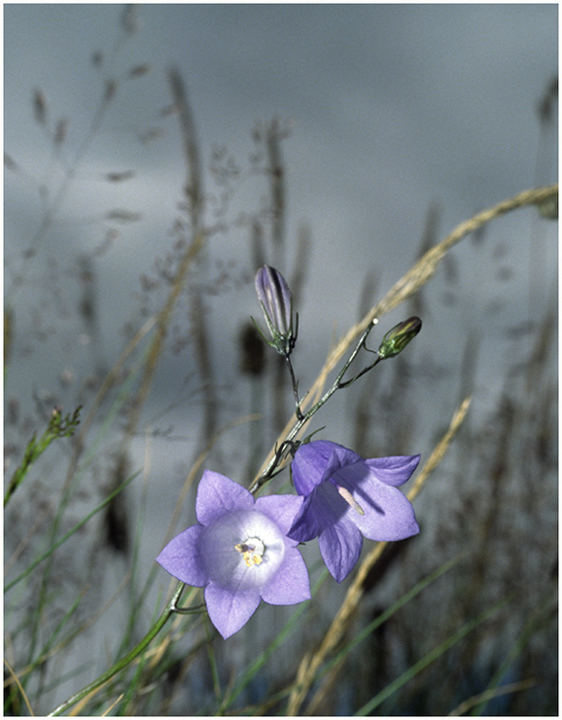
x=170, y=608
x=295, y=384
x=343, y=384
x=303, y=419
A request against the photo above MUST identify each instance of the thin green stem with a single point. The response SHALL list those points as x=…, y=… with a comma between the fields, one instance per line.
x=127, y=659
x=67, y=535
x=297, y=427
x=58, y=427
x=428, y=658
x=189, y=610
x=295, y=385
x=343, y=384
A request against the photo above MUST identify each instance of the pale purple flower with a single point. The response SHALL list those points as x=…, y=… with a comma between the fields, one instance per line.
x=239, y=552
x=348, y=498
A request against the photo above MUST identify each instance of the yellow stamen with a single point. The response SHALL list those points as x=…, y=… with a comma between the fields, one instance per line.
x=252, y=550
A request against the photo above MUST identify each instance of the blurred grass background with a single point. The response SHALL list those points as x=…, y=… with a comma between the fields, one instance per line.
x=461, y=619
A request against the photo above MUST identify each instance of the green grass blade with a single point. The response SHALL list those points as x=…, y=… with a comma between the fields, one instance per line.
x=69, y=534
x=541, y=614
x=383, y=617
x=427, y=659
x=58, y=427
x=44, y=654
x=264, y=656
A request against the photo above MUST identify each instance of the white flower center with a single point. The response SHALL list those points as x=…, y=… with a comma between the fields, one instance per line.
x=242, y=549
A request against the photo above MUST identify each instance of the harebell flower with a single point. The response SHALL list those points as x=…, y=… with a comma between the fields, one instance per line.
x=239, y=552
x=347, y=498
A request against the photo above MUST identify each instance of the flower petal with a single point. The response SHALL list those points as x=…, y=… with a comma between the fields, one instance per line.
x=218, y=494
x=228, y=610
x=290, y=583
x=394, y=470
x=282, y=509
x=316, y=461
x=275, y=297
x=388, y=514
x=340, y=547
x=181, y=557
x=307, y=523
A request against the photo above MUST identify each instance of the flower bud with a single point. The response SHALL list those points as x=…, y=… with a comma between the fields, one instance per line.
x=276, y=302
x=398, y=337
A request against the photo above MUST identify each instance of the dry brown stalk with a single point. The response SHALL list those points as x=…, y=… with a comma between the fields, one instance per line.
x=420, y=273
x=195, y=196
x=113, y=704
x=492, y=693
x=410, y=283
x=19, y=686
x=161, y=329
x=77, y=709
x=277, y=185
x=194, y=192
x=311, y=662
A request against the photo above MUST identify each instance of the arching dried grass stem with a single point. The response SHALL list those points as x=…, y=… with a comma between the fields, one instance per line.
x=311, y=662
x=409, y=284
x=426, y=266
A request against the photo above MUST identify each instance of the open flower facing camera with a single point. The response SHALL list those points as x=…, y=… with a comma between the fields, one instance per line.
x=239, y=552
x=348, y=498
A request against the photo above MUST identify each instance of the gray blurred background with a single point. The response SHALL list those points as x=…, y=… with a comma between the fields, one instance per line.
x=335, y=141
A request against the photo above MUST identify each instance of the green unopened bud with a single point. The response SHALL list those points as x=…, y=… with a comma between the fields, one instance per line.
x=398, y=337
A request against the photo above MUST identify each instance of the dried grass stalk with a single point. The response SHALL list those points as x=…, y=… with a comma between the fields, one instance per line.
x=311, y=661
x=194, y=191
x=421, y=272
x=409, y=284
x=467, y=705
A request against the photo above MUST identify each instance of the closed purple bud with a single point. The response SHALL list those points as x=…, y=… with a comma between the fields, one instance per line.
x=277, y=305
